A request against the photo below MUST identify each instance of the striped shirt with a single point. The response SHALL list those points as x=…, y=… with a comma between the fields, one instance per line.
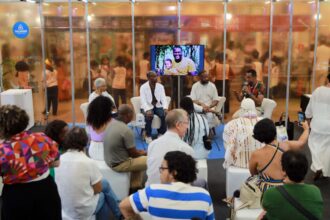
x=173, y=201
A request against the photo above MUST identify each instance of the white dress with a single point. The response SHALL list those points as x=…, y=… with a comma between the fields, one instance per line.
x=239, y=142
x=319, y=139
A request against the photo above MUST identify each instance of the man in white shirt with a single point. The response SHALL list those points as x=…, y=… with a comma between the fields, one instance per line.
x=204, y=94
x=100, y=89
x=153, y=101
x=177, y=123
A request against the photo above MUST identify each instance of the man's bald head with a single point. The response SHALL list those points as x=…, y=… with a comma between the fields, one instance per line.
x=125, y=113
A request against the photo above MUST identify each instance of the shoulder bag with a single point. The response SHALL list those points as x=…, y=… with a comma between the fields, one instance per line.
x=295, y=203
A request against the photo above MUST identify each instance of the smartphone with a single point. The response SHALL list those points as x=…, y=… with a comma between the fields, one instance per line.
x=301, y=118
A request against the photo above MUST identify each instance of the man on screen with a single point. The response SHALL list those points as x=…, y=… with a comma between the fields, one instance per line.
x=183, y=65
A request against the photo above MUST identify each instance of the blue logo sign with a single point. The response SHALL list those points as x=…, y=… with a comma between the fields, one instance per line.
x=21, y=29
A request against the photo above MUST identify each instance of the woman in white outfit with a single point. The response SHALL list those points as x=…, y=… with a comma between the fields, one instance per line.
x=98, y=117
x=198, y=127
x=318, y=110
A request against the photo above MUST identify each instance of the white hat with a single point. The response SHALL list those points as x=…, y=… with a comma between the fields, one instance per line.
x=248, y=106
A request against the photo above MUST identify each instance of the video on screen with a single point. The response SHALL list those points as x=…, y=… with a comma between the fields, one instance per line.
x=177, y=59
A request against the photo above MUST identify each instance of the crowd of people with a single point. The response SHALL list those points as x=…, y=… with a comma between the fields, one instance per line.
x=172, y=190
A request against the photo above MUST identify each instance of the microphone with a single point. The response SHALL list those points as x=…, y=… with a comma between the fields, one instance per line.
x=244, y=88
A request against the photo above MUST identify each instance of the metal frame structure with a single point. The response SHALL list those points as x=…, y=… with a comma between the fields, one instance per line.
x=179, y=6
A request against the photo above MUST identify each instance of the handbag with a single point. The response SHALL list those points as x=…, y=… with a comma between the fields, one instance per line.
x=284, y=133
x=295, y=203
x=250, y=193
x=206, y=140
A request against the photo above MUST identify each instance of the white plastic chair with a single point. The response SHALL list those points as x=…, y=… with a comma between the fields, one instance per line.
x=66, y=217
x=268, y=106
x=245, y=213
x=83, y=108
x=235, y=177
x=136, y=102
x=202, y=169
x=119, y=181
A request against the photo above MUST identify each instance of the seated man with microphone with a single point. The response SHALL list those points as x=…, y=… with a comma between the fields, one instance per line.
x=253, y=89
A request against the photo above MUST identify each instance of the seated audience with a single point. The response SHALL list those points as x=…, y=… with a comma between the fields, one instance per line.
x=120, y=152
x=83, y=191
x=198, y=127
x=253, y=89
x=266, y=161
x=238, y=136
x=295, y=166
x=100, y=89
x=57, y=130
x=29, y=192
x=204, y=94
x=98, y=118
x=153, y=102
x=177, y=124
x=175, y=198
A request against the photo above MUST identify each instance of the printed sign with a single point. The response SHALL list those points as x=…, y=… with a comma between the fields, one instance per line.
x=21, y=30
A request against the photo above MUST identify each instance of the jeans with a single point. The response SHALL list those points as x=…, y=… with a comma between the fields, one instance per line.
x=161, y=114
x=107, y=204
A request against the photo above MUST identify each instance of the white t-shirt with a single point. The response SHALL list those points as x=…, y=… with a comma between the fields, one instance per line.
x=204, y=93
x=318, y=109
x=157, y=149
x=93, y=95
x=74, y=178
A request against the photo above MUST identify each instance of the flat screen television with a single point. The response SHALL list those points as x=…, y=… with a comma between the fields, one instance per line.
x=177, y=59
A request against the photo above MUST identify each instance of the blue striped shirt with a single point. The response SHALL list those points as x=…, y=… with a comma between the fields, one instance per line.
x=173, y=201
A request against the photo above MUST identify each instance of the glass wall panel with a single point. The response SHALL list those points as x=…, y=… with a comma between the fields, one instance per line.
x=203, y=27
x=279, y=64
x=57, y=49
x=247, y=43
x=111, y=47
x=28, y=49
x=323, y=48
x=302, y=53
x=156, y=23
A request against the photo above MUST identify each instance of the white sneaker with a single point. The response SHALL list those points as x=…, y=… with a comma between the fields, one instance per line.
x=148, y=140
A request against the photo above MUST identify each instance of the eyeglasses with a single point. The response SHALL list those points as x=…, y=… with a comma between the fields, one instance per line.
x=185, y=122
x=162, y=168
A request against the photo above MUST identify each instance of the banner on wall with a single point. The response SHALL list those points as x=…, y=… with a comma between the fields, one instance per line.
x=21, y=30
x=237, y=23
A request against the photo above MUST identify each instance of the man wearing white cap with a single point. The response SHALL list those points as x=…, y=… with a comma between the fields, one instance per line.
x=237, y=136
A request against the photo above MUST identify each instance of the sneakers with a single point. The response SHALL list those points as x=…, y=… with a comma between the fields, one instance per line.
x=148, y=140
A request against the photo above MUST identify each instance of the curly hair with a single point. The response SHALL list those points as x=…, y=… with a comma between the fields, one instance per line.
x=13, y=120
x=264, y=131
x=183, y=164
x=99, y=111
x=76, y=139
x=54, y=130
